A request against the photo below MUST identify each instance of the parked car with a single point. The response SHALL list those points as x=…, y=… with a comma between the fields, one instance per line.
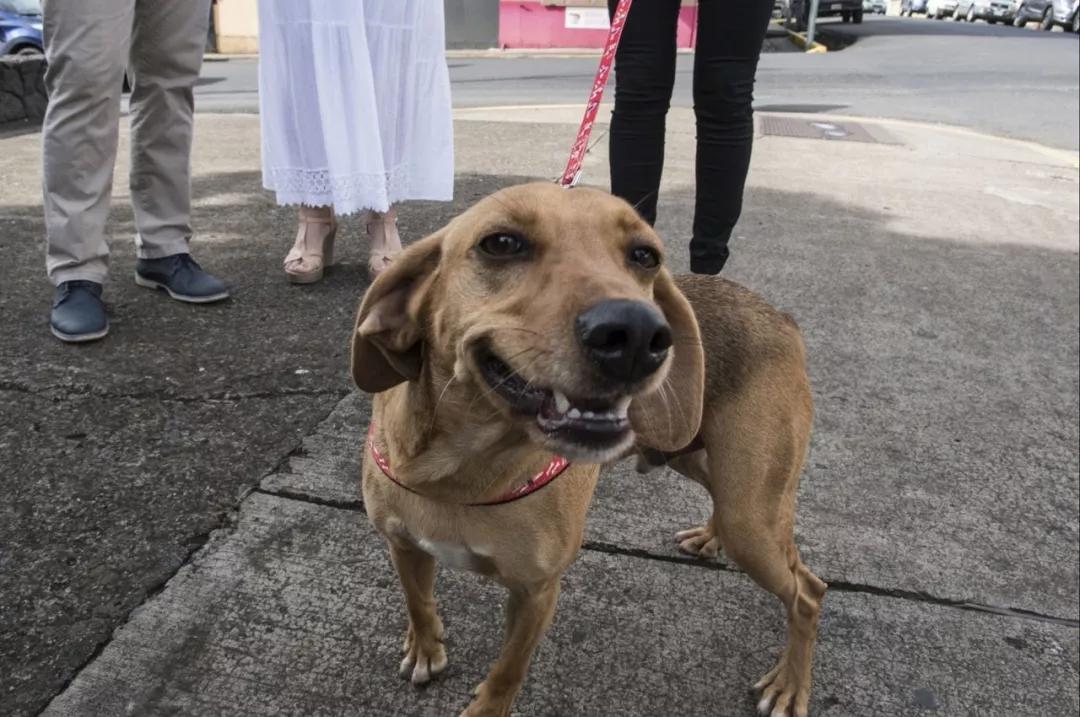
x=910, y=7
x=874, y=7
x=1049, y=13
x=797, y=12
x=938, y=9
x=993, y=11
x=20, y=27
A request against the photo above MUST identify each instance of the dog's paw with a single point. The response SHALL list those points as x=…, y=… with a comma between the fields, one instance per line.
x=642, y=466
x=486, y=703
x=782, y=694
x=425, y=655
x=701, y=542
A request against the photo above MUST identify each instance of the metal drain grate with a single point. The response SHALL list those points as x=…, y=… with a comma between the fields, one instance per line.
x=820, y=129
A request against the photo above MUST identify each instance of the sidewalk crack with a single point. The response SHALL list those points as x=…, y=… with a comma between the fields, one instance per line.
x=302, y=497
x=844, y=586
x=223, y=397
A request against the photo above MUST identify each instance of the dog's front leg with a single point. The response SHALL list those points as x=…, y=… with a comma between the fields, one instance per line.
x=425, y=655
x=528, y=615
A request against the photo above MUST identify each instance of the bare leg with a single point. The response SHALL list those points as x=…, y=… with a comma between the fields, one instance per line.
x=385, y=241
x=528, y=615
x=425, y=655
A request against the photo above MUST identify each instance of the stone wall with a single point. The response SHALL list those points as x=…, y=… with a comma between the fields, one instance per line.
x=22, y=89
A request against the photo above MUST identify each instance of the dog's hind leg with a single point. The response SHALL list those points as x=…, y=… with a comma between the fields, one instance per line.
x=528, y=614
x=425, y=655
x=704, y=540
x=757, y=441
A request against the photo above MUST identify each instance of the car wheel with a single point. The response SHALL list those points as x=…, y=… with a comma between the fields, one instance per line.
x=1047, y=22
x=27, y=51
x=802, y=20
x=856, y=16
x=845, y=16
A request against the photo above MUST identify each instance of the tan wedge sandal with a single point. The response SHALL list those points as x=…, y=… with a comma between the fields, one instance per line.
x=313, y=250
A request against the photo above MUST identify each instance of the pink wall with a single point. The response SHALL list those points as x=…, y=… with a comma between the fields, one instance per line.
x=533, y=25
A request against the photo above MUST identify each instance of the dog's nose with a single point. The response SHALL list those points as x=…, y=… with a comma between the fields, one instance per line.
x=627, y=340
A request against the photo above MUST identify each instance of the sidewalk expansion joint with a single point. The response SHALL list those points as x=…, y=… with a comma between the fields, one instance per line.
x=222, y=397
x=300, y=496
x=844, y=586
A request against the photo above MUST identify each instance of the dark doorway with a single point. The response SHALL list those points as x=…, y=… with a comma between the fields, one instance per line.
x=472, y=24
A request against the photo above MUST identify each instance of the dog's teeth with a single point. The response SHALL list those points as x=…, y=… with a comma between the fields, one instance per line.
x=562, y=403
x=622, y=406
x=574, y=413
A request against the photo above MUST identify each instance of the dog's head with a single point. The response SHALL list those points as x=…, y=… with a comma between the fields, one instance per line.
x=553, y=308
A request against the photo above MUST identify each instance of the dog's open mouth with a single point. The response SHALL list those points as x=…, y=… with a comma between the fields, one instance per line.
x=593, y=423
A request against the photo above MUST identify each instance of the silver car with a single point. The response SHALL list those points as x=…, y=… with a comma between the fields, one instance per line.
x=993, y=11
x=937, y=9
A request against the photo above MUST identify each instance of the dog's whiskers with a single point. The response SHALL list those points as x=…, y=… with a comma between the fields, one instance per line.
x=442, y=394
x=513, y=372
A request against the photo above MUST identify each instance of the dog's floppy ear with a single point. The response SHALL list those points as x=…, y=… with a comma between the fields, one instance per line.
x=670, y=417
x=387, y=341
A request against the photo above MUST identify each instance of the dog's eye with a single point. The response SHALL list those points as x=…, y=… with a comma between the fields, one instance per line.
x=502, y=246
x=645, y=256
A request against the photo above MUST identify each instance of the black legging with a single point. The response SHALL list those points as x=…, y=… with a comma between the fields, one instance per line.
x=729, y=38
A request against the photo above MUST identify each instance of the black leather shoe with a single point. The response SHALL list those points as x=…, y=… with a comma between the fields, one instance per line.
x=77, y=312
x=181, y=277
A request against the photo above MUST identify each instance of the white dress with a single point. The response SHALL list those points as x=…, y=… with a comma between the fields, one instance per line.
x=354, y=100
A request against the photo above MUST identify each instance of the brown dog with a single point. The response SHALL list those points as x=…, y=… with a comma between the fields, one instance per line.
x=541, y=323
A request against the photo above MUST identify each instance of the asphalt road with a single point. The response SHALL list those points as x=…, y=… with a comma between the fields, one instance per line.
x=1005, y=81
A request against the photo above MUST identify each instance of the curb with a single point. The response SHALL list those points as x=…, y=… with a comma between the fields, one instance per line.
x=799, y=38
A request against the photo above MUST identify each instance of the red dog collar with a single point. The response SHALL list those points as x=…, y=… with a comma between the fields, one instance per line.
x=553, y=470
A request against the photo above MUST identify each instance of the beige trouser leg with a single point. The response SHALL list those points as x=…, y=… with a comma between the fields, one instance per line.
x=88, y=44
x=167, y=46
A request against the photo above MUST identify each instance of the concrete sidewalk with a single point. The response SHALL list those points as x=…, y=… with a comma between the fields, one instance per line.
x=935, y=275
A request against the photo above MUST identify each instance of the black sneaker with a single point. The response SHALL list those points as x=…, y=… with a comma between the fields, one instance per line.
x=77, y=312
x=181, y=277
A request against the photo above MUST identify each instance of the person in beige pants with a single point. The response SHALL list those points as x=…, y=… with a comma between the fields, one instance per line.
x=89, y=44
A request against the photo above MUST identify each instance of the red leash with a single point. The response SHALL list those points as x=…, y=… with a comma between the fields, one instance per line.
x=581, y=144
